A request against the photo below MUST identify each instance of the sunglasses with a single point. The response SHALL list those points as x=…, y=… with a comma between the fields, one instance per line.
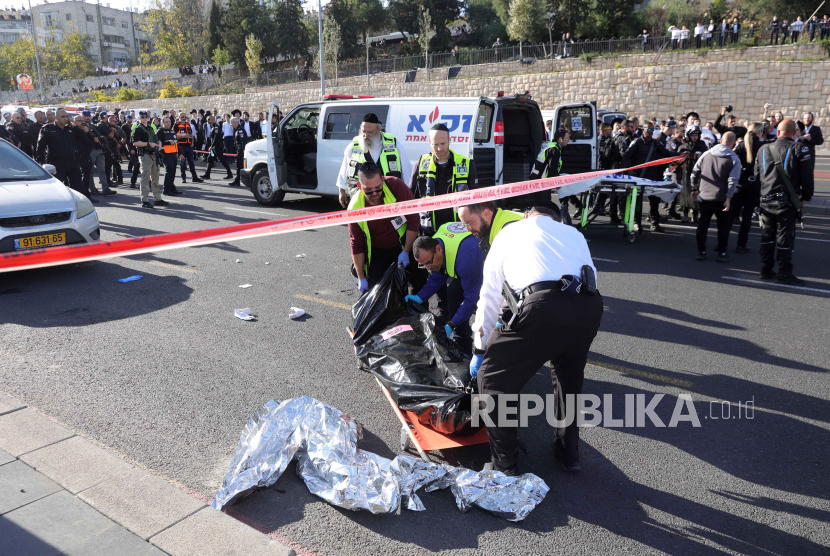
x=373, y=192
x=650, y=129
x=430, y=264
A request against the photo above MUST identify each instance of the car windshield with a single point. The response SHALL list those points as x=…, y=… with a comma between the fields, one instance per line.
x=17, y=166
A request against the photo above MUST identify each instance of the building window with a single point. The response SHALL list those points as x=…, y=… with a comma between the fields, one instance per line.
x=90, y=19
x=68, y=17
x=114, y=39
x=109, y=21
x=124, y=24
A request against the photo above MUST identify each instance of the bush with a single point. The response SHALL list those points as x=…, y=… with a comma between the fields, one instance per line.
x=100, y=96
x=171, y=90
x=587, y=58
x=126, y=93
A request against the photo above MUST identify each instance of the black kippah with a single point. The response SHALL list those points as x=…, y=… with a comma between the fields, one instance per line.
x=371, y=118
x=439, y=127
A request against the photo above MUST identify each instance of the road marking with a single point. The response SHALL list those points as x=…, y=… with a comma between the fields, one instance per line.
x=798, y=237
x=173, y=267
x=325, y=301
x=693, y=228
x=606, y=260
x=256, y=211
x=776, y=284
x=642, y=374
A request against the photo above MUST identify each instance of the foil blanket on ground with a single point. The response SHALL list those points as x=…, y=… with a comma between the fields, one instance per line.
x=324, y=439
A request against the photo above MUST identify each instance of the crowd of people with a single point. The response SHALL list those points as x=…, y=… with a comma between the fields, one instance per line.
x=730, y=32
x=107, y=70
x=193, y=70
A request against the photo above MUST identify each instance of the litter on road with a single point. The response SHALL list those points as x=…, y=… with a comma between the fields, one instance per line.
x=131, y=278
x=301, y=256
x=296, y=313
x=239, y=260
x=246, y=286
x=324, y=440
x=244, y=314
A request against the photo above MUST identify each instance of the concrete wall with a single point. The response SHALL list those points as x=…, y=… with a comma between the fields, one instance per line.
x=793, y=87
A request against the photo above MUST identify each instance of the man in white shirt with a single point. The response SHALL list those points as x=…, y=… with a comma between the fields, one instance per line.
x=554, y=314
x=675, y=37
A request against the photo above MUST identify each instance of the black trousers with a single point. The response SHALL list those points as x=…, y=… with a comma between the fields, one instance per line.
x=239, y=165
x=115, y=171
x=187, y=152
x=170, y=160
x=218, y=153
x=778, y=230
x=551, y=326
x=707, y=210
x=85, y=163
x=69, y=172
x=743, y=205
x=134, y=166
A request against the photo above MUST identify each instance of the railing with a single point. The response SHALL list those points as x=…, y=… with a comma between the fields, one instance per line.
x=528, y=54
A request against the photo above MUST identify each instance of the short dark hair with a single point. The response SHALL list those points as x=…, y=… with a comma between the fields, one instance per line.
x=366, y=172
x=478, y=208
x=439, y=127
x=560, y=133
x=551, y=210
x=423, y=243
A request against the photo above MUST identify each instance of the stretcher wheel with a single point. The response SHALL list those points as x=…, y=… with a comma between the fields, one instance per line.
x=406, y=443
x=632, y=237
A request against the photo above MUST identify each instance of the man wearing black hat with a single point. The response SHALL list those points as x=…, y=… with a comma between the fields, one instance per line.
x=373, y=145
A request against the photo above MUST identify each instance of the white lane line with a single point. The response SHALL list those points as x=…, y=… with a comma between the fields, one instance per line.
x=799, y=238
x=605, y=260
x=776, y=284
x=256, y=211
x=713, y=230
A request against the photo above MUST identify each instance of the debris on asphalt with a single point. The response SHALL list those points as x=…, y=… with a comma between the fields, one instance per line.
x=131, y=278
x=239, y=260
x=324, y=440
x=301, y=256
x=267, y=263
x=296, y=313
x=246, y=286
x=244, y=314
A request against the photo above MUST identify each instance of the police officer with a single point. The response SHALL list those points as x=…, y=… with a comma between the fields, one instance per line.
x=548, y=165
x=169, y=145
x=377, y=244
x=17, y=133
x=785, y=169
x=133, y=166
x=96, y=155
x=83, y=146
x=453, y=258
x=146, y=143
x=372, y=145
x=56, y=145
x=184, y=133
x=120, y=140
x=240, y=139
x=216, y=146
x=544, y=271
x=485, y=221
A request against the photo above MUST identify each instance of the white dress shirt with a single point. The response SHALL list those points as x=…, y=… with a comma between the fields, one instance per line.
x=533, y=250
x=404, y=163
x=248, y=128
x=227, y=129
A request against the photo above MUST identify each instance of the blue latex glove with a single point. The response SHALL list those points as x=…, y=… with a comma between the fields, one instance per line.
x=403, y=259
x=475, y=364
x=448, y=329
x=364, y=285
x=414, y=298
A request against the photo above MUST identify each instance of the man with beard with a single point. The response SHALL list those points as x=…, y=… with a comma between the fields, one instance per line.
x=485, y=221
x=373, y=145
x=732, y=123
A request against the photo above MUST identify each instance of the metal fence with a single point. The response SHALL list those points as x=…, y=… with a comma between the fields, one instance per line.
x=529, y=53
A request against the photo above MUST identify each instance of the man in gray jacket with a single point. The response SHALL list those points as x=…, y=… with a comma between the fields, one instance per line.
x=713, y=181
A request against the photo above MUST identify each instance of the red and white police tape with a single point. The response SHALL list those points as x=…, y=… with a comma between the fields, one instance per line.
x=208, y=152
x=53, y=256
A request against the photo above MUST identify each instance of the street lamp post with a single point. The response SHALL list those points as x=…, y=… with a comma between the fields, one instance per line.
x=37, y=55
x=322, y=53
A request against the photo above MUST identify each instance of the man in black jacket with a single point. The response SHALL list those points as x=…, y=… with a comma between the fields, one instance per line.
x=609, y=158
x=780, y=208
x=811, y=136
x=732, y=126
x=642, y=150
x=56, y=145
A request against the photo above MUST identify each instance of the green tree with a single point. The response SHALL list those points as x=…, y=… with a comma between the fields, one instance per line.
x=425, y=32
x=291, y=37
x=253, y=57
x=524, y=19
x=569, y=14
x=484, y=23
x=72, y=55
x=214, y=30
x=243, y=18
x=332, y=47
x=179, y=30
x=221, y=58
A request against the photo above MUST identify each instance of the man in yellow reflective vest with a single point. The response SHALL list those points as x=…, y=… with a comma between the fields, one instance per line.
x=453, y=258
x=485, y=221
x=548, y=165
x=377, y=244
x=376, y=146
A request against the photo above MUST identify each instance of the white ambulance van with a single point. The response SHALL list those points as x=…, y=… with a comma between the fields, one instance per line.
x=503, y=134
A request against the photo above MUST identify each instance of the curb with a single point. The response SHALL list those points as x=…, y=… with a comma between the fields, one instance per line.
x=173, y=519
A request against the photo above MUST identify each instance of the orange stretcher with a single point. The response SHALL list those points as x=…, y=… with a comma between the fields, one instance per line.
x=424, y=439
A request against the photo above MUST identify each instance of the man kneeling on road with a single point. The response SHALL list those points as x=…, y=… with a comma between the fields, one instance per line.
x=453, y=257
x=543, y=269
x=377, y=244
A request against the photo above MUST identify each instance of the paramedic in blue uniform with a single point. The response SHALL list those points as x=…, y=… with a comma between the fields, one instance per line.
x=544, y=271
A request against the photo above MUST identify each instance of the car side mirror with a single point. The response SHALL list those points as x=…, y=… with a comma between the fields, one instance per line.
x=50, y=168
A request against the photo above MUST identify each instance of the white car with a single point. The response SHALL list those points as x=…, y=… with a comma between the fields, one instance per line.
x=37, y=210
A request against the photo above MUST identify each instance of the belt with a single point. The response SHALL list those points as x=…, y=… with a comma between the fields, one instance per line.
x=542, y=286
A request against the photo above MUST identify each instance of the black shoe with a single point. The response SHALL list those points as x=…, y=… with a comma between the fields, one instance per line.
x=110, y=192
x=133, y=186
x=94, y=192
x=657, y=228
x=228, y=177
x=235, y=183
x=701, y=256
x=740, y=249
x=146, y=206
x=205, y=177
x=91, y=200
x=197, y=180
x=767, y=274
x=674, y=214
x=790, y=280
x=558, y=449
x=178, y=192
x=723, y=258
x=162, y=203
x=615, y=219
x=510, y=471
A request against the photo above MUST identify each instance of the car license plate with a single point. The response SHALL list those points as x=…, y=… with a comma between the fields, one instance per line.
x=33, y=242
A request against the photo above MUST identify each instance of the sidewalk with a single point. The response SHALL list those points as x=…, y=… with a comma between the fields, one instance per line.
x=62, y=494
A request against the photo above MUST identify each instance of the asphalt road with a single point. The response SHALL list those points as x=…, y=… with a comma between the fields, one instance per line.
x=160, y=371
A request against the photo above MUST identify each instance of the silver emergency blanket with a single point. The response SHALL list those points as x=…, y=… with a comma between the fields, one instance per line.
x=665, y=190
x=324, y=440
